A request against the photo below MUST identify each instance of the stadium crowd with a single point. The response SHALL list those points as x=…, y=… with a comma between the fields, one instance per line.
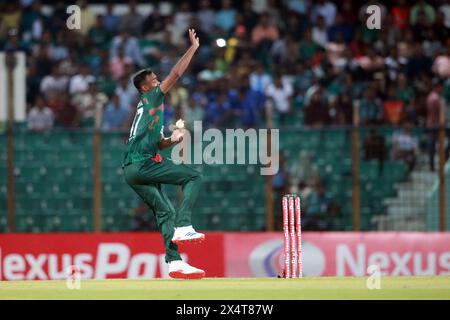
x=315, y=58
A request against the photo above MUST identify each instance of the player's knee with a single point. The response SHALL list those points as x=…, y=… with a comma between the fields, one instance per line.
x=198, y=176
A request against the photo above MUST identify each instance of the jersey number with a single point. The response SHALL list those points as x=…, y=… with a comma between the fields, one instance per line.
x=136, y=120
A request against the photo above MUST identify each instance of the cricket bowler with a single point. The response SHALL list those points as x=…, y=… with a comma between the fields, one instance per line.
x=146, y=170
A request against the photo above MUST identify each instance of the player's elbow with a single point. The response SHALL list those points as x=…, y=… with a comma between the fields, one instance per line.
x=175, y=75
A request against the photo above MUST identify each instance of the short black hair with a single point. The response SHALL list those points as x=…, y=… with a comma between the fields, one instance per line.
x=139, y=78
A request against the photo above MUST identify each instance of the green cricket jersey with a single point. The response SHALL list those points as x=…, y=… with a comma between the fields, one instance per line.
x=147, y=128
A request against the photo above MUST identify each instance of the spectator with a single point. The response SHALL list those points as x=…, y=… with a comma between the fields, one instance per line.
x=307, y=46
x=264, y=33
x=106, y=82
x=405, y=146
x=316, y=112
x=11, y=15
x=194, y=112
x=284, y=51
x=225, y=16
x=118, y=63
x=370, y=62
x=206, y=16
x=154, y=25
x=319, y=32
x=110, y=20
x=422, y=6
x=298, y=6
x=400, y=13
x=418, y=63
x=115, y=117
x=80, y=82
x=404, y=91
x=394, y=64
x=32, y=24
x=251, y=104
x=441, y=30
x=249, y=16
x=348, y=12
x=87, y=17
x=40, y=117
x=99, y=35
x=342, y=27
x=431, y=45
x=131, y=22
x=336, y=50
x=444, y=9
x=319, y=205
x=55, y=82
x=259, y=80
x=371, y=108
x=441, y=64
x=326, y=9
x=421, y=27
x=435, y=105
x=393, y=108
x=65, y=113
x=127, y=93
x=130, y=46
x=90, y=105
x=280, y=93
x=375, y=148
x=181, y=21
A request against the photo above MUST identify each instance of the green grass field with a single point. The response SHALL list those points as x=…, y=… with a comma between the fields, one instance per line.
x=437, y=287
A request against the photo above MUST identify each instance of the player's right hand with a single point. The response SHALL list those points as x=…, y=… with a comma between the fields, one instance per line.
x=195, y=42
x=177, y=135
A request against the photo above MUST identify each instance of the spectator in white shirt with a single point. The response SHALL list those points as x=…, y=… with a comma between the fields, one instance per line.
x=127, y=93
x=326, y=9
x=405, y=146
x=40, y=117
x=54, y=82
x=280, y=93
x=90, y=105
x=80, y=82
x=319, y=32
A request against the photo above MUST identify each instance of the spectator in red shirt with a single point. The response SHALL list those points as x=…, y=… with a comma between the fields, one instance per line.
x=393, y=108
x=65, y=113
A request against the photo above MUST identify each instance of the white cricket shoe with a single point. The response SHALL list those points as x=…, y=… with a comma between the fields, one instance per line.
x=187, y=234
x=181, y=270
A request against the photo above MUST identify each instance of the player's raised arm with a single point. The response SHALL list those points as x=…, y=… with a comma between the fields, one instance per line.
x=181, y=66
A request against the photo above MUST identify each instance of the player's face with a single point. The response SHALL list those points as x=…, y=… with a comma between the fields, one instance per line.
x=152, y=79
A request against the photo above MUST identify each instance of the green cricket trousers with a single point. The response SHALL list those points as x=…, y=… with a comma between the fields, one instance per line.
x=146, y=177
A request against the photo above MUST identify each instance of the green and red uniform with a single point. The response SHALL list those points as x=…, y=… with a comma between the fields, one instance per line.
x=145, y=170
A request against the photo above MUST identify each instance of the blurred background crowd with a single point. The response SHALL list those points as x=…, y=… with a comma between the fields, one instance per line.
x=320, y=59
x=317, y=59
